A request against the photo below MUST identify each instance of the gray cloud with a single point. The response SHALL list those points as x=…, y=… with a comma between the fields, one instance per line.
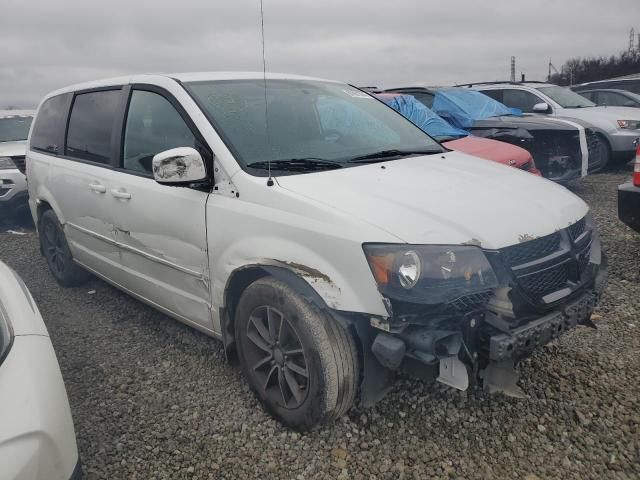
x=47, y=44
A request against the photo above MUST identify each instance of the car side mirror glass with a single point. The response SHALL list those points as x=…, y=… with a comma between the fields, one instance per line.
x=542, y=107
x=178, y=166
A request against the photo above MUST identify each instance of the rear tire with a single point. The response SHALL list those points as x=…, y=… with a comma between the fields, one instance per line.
x=606, y=152
x=55, y=249
x=301, y=364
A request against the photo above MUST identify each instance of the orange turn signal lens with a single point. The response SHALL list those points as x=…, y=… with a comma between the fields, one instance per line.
x=381, y=267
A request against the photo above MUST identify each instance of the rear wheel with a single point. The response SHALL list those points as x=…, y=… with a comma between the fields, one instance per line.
x=55, y=249
x=604, y=152
x=301, y=364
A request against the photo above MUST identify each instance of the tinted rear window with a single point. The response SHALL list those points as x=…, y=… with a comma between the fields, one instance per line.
x=48, y=132
x=91, y=124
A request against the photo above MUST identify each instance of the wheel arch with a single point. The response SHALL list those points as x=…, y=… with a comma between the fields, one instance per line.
x=45, y=202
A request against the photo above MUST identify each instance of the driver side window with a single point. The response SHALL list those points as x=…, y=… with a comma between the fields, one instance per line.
x=520, y=99
x=153, y=125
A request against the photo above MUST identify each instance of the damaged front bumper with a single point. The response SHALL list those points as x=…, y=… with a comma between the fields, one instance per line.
x=548, y=286
x=521, y=341
x=476, y=341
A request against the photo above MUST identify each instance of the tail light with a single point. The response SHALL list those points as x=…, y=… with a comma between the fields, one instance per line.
x=636, y=168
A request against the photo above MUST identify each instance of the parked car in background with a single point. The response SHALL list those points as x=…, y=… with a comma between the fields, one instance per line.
x=630, y=83
x=455, y=138
x=37, y=439
x=14, y=130
x=616, y=127
x=629, y=197
x=609, y=97
x=326, y=240
x=563, y=151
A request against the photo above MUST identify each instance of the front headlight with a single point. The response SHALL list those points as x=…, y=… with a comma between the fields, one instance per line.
x=629, y=124
x=429, y=274
x=6, y=335
x=6, y=163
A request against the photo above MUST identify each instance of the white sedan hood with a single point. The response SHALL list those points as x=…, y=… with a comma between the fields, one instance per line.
x=595, y=114
x=449, y=198
x=11, y=149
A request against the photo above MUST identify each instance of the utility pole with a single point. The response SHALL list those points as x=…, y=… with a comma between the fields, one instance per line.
x=551, y=67
x=513, y=69
x=632, y=38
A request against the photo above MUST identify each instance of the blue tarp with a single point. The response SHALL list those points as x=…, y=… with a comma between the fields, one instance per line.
x=462, y=107
x=421, y=116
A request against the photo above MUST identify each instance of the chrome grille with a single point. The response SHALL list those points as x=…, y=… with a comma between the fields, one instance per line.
x=548, y=281
x=467, y=302
x=531, y=250
x=577, y=229
x=538, y=274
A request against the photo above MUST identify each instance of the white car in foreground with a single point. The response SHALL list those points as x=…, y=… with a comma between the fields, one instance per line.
x=37, y=439
x=322, y=236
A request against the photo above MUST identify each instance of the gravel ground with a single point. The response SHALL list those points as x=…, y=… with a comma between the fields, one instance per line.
x=152, y=398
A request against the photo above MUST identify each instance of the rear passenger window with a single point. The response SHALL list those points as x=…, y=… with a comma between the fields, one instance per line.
x=153, y=126
x=520, y=99
x=495, y=94
x=589, y=96
x=611, y=99
x=91, y=125
x=48, y=131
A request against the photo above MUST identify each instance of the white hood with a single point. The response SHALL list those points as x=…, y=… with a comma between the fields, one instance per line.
x=598, y=115
x=445, y=199
x=13, y=149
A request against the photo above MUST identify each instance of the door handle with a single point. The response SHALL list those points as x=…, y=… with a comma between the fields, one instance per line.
x=122, y=195
x=96, y=187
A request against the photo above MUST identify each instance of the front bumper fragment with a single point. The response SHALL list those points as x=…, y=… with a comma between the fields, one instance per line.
x=523, y=340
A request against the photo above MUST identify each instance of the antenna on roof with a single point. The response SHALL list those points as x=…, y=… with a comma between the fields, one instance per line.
x=264, y=79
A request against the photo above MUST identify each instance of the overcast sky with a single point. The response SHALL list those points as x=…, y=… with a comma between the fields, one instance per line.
x=47, y=44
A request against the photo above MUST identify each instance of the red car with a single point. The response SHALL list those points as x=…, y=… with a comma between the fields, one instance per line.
x=456, y=139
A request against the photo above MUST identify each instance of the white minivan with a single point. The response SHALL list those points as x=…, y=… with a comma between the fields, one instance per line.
x=327, y=241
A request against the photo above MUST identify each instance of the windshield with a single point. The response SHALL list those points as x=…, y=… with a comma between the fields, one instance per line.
x=566, y=97
x=305, y=121
x=14, y=128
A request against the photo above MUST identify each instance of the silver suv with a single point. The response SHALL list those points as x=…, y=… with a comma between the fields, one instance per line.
x=618, y=126
x=14, y=129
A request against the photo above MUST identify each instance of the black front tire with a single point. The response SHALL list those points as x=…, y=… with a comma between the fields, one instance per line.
x=55, y=249
x=301, y=364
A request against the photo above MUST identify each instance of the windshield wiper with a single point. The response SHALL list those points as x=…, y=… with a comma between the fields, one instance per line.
x=383, y=155
x=297, y=164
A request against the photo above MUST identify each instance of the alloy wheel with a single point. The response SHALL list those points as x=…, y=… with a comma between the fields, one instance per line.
x=276, y=357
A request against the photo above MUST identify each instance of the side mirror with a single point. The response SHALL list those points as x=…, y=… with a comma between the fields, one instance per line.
x=178, y=166
x=542, y=107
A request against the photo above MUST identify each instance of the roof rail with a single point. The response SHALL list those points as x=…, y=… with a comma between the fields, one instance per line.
x=508, y=82
x=415, y=87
